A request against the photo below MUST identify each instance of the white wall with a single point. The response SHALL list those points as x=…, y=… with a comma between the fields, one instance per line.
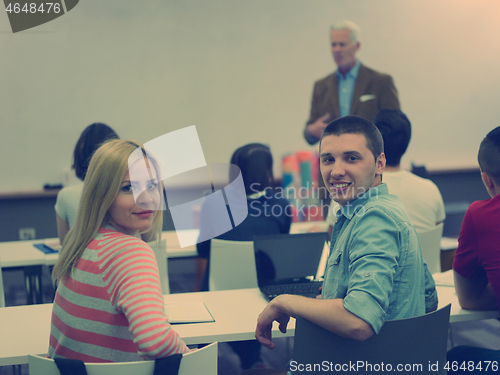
x=241, y=71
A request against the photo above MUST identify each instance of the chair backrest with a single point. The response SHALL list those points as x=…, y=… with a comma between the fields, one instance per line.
x=430, y=243
x=417, y=343
x=232, y=265
x=160, y=250
x=202, y=361
x=2, y=293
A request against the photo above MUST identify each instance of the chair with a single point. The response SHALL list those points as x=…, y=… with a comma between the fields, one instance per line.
x=421, y=340
x=202, y=361
x=160, y=250
x=232, y=265
x=430, y=243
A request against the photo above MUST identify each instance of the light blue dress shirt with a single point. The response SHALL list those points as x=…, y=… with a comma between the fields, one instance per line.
x=345, y=85
x=346, y=88
x=375, y=261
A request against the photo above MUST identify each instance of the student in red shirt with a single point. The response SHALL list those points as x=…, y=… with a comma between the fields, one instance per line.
x=477, y=260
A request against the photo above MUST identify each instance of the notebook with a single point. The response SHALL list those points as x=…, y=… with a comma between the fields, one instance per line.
x=288, y=263
x=187, y=312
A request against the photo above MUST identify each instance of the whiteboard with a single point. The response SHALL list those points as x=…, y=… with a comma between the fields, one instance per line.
x=241, y=71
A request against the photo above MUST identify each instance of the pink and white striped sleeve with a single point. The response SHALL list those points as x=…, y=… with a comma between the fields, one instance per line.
x=131, y=275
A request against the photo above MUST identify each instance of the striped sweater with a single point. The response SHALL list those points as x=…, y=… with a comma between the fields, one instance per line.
x=111, y=308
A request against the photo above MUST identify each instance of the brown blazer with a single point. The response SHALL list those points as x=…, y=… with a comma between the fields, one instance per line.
x=373, y=91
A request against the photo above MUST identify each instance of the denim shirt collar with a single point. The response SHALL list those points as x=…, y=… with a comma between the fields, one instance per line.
x=350, y=209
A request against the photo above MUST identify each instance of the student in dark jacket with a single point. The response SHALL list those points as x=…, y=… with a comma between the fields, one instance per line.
x=268, y=213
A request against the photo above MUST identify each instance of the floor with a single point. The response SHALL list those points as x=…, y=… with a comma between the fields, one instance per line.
x=484, y=333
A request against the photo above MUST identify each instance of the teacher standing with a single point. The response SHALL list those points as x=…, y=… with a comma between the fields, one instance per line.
x=353, y=89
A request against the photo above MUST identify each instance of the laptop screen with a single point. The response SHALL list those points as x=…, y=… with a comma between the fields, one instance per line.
x=287, y=258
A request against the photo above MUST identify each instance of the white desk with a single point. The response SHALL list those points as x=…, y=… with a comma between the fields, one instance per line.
x=235, y=313
x=20, y=254
x=445, y=286
x=457, y=314
x=25, y=329
x=23, y=253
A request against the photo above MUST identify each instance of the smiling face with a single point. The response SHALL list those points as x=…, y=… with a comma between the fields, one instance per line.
x=138, y=200
x=343, y=49
x=348, y=167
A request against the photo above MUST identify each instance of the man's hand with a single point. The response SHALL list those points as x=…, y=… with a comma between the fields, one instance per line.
x=265, y=321
x=316, y=128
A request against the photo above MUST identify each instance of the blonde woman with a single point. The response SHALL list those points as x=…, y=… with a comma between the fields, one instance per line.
x=109, y=305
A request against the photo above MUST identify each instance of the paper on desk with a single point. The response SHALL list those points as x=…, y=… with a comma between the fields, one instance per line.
x=187, y=312
x=448, y=243
x=444, y=278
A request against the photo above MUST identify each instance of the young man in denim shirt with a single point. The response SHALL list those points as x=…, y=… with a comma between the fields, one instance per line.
x=375, y=271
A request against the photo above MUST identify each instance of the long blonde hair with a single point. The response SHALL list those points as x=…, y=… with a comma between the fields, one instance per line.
x=102, y=184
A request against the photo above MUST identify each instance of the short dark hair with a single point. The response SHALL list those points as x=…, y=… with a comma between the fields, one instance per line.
x=488, y=156
x=91, y=138
x=256, y=164
x=396, y=132
x=356, y=125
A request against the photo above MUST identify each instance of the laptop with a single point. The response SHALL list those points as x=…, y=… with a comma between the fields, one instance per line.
x=289, y=263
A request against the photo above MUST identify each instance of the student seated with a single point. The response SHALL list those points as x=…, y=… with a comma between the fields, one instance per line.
x=476, y=266
x=375, y=271
x=420, y=196
x=68, y=199
x=108, y=277
x=267, y=214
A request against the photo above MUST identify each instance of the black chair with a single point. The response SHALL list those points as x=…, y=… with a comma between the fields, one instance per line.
x=417, y=344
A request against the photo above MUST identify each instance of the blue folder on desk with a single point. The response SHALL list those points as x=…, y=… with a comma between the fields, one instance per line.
x=44, y=248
